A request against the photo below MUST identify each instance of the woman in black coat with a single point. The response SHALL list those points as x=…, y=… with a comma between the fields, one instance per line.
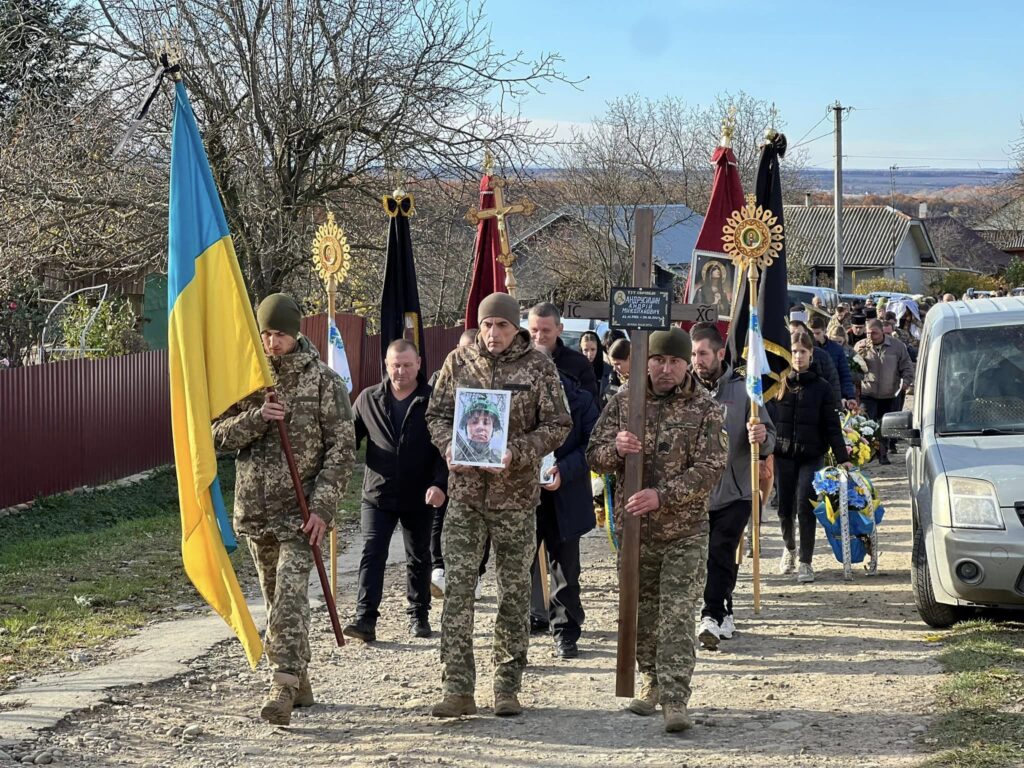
x=806, y=417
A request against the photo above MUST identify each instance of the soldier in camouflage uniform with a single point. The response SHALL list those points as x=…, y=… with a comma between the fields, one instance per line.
x=495, y=501
x=684, y=450
x=314, y=404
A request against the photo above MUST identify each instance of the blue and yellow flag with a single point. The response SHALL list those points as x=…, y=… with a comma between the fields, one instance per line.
x=216, y=359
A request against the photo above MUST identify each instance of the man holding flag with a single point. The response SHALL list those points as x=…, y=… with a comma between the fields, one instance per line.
x=729, y=505
x=215, y=361
x=313, y=400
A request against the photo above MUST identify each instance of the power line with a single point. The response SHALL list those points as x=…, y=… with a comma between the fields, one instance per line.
x=811, y=141
x=921, y=157
x=826, y=117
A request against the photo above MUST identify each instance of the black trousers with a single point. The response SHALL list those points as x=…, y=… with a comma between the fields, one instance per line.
x=378, y=526
x=796, y=502
x=727, y=526
x=436, y=554
x=565, y=614
x=876, y=408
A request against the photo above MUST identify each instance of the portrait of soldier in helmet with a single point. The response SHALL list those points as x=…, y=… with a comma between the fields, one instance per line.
x=481, y=427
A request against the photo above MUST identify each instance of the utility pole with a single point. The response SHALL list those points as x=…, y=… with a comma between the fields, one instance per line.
x=837, y=110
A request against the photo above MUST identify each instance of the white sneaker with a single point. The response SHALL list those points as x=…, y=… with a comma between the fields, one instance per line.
x=728, y=627
x=709, y=633
x=806, y=574
x=788, y=562
x=437, y=582
x=479, y=592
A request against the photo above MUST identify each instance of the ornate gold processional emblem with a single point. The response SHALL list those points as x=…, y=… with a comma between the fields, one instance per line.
x=752, y=236
x=331, y=251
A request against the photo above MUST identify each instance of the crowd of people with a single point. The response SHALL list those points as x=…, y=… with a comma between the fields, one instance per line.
x=569, y=405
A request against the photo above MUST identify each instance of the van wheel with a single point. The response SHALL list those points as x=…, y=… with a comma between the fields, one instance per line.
x=934, y=614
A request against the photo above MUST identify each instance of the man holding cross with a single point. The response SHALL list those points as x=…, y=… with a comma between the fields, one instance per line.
x=684, y=452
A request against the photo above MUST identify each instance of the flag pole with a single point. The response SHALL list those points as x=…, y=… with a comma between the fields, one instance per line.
x=300, y=496
x=755, y=456
x=333, y=536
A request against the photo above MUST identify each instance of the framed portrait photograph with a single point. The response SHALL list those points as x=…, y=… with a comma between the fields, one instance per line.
x=480, y=429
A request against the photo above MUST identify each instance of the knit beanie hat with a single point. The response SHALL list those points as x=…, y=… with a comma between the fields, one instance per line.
x=675, y=342
x=279, y=312
x=499, y=305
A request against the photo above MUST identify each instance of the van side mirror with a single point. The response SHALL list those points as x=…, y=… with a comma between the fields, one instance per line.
x=900, y=426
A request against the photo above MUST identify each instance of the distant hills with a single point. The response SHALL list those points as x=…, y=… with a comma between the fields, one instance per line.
x=909, y=181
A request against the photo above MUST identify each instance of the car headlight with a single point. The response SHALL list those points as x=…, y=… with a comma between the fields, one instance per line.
x=973, y=504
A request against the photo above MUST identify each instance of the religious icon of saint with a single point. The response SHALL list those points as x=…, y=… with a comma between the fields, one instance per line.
x=714, y=289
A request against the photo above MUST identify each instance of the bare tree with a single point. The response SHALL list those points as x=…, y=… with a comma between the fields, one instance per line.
x=307, y=103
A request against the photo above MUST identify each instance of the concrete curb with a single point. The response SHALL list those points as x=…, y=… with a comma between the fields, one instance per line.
x=157, y=653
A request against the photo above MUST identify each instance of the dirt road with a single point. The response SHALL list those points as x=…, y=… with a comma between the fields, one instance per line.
x=830, y=674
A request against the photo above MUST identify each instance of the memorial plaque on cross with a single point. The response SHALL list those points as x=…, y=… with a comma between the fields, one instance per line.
x=634, y=308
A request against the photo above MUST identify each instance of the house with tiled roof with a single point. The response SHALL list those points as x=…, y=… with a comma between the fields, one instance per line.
x=878, y=241
x=1004, y=229
x=960, y=247
x=571, y=252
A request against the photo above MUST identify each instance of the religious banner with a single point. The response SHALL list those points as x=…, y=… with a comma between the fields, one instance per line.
x=488, y=274
x=712, y=277
x=772, y=296
x=400, y=297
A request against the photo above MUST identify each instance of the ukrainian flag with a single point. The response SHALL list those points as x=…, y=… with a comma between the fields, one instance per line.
x=216, y=359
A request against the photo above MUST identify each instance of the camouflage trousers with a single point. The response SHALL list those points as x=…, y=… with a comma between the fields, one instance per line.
x=512, y=533
x=283, y=568
x=672, y=575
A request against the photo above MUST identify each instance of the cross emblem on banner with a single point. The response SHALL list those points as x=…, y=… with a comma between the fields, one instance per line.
x=500, y=211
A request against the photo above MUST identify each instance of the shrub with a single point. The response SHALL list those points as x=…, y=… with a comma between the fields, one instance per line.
x=1015, y=273
x=111, y=333
x=957, y=283
x=895, y=285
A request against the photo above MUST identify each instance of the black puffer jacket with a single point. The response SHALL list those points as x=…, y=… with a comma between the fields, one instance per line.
x=807, y=420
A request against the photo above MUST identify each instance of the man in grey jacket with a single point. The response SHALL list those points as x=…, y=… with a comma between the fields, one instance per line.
x=729, y=504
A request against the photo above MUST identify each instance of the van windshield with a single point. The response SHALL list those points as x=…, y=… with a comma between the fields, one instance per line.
x=981, y=381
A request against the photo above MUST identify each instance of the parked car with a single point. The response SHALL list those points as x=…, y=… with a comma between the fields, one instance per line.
x=804, y=294
x=851, y=298
x=965, y=461
x=1017, y=291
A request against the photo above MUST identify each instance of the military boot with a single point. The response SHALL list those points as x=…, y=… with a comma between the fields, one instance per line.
x=454, y=706
x=646, y=703
x=507, y=705
x=277, y=709
x=304, y=697
x=676, y=717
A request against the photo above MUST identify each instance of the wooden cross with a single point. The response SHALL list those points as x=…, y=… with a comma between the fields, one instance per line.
x=629, y=551
x=499, y=212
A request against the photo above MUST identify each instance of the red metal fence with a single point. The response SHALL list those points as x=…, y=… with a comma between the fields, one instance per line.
x=82, y=422
x=87, y=422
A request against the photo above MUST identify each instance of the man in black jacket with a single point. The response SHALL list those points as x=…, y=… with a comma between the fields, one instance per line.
x=545, y=325
x=565, y=514
x=405, y=478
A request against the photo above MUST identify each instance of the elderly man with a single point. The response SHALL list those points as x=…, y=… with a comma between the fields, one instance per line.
x=313, y=401
x=889, y=370
x=499, y=501
x=684, y=450
x=404, y=482
x=856, y=332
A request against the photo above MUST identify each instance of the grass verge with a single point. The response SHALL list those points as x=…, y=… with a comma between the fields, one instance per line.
x=79, y=570
x=982, y=720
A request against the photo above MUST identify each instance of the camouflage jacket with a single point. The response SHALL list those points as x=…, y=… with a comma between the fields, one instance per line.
x=319, y=423
x=685, y=453
x=538, y=423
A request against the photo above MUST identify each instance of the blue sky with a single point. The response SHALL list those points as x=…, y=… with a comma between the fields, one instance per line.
x=937, y=84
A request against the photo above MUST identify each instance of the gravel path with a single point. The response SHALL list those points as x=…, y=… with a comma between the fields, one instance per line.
x=830, y=674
